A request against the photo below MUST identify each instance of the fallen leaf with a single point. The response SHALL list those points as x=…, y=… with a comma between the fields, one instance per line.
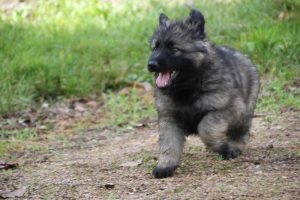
x=45, y=105
x=79, y=107
x=12, y=194
x=139, y=125
x=256, y=162
x=109, y=186
x=147, y=86
x=92, y=104
x=286, y=15
x=276, y=127
x=7, y=166
x=144, y=86
x=25, y=122
x=132, y=163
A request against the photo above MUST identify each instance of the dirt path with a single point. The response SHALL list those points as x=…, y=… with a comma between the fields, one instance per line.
x=106, y=165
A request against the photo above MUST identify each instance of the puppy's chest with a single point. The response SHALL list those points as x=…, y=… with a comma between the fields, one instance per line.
x=184, y=110
x=188, y=117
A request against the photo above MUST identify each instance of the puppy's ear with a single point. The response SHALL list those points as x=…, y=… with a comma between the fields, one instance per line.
x=163, y=20
x=196, y=19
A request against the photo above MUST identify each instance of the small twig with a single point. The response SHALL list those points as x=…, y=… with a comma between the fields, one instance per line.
x=257, y=115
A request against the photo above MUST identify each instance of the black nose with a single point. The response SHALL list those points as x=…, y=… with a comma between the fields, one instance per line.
x=152, y=66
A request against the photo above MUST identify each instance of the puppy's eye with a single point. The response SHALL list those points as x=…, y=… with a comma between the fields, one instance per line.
x=174, y=49
x=155, y=46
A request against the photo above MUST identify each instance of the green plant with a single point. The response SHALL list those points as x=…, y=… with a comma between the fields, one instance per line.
x=222, y=187
x=124, y=108
x=54, y=49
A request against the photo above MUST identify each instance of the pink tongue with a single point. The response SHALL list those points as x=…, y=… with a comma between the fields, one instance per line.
x=162, y=79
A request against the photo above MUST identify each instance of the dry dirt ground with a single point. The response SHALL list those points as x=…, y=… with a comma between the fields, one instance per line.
x=105, y=164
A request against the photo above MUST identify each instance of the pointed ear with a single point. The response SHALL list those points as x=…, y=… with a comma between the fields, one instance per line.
x=196, y=19
x=163, y=20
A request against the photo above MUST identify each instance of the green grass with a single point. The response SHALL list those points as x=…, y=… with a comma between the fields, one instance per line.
x=14, y=140
x=126, y=108
x=58, y=49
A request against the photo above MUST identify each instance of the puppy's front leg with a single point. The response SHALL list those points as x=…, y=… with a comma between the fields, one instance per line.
x=171, y=140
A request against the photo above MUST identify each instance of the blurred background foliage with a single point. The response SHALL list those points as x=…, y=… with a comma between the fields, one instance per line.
x=55, y=49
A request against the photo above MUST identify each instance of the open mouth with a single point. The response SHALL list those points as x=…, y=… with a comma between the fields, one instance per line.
x=164, y=79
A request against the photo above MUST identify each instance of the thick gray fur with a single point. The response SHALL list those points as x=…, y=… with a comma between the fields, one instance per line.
x=213, y=94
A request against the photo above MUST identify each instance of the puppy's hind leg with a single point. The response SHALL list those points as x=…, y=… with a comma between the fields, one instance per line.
x=213, y=130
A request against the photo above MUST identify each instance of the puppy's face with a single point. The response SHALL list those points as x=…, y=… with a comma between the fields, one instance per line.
x=177, y=49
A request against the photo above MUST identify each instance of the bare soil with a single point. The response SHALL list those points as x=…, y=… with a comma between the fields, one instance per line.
x=111, y=164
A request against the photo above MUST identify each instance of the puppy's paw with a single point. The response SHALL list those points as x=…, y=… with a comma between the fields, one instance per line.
x=227, y=152
x=163, y=172
x=232, y=154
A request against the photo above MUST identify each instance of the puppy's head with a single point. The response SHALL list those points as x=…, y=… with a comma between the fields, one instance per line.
x=178, y=49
